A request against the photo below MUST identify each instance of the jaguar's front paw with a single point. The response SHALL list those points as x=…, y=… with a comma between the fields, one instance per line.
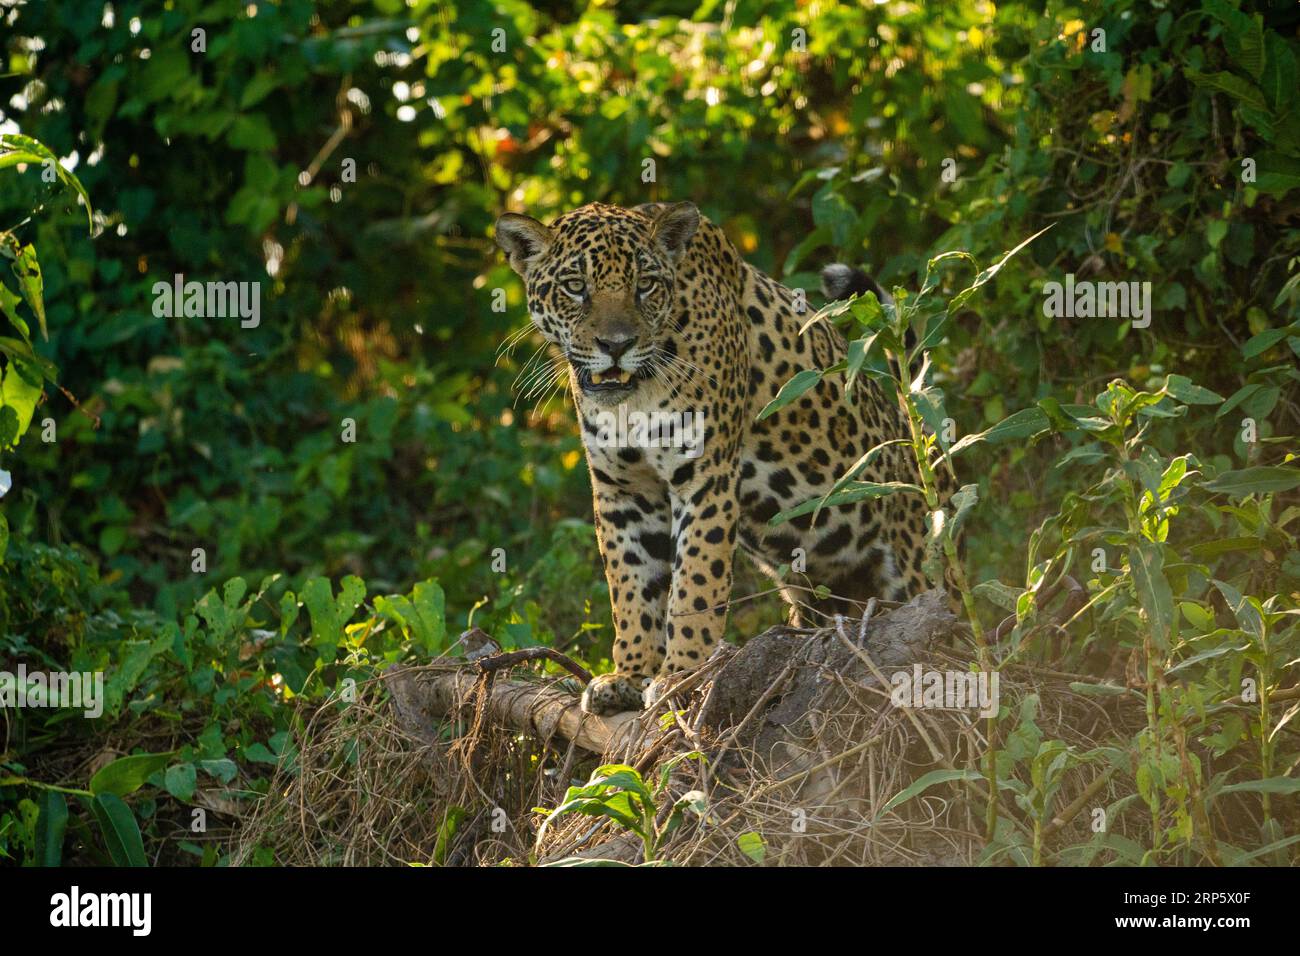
x=612, y=694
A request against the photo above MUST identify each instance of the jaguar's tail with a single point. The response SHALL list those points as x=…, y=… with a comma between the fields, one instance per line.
x=840, y=281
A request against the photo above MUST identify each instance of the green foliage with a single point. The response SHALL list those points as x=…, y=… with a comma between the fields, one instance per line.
x=618, y=792
x=1169, y=152
x=25, y=373
x=1119, y=528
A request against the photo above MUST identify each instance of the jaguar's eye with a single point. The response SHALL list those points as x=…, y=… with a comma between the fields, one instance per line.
x=644, y=285
x=575, y=287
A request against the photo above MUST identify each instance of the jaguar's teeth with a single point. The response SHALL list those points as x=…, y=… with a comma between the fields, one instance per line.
x=611, y=375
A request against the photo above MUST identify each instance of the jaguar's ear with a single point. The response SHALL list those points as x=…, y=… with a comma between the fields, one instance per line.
x=674, y=226
x=523, y=238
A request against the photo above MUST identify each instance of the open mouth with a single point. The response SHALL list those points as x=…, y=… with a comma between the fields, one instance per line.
x=610, y=380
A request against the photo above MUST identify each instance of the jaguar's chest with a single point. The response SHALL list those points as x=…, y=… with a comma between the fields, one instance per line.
x=634, y=443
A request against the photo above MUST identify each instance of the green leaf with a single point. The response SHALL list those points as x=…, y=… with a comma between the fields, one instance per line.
x=1240, y=858
x=857, y=355
x=260, y=753
x=815, y=239
x=262, y=83
x=10, y=426
x=932, y=335
x=251, y=131
x=933, y=778
x=121, y=832
x=1022, y=424
x=1206, y=656
x=1244, y=608
x=857, y=491
x=21, y=350
x=180, y=781
x=1098, y=690
x=1262, y=479
x=1146, y=563
x=52, y=825
x=1210, y=550
x=960, y=298
x=1197, y=616
x=20, y=391
x=330, y=615
x=1243, y=35
x=791, y=390
x=1270, y=785
x=870, y=455
x=618, y=775
x=830, y=210
x=1182, y=388
x=1243, y=91
x=1177, y=175
x=15, y=141
x=9, y=302
x=931, y=281
x=318, y=595
x=866, y=309
x=617, y=810
x=696, y=801
x=423, y=618
x=126, y=775
x=1002, y=595
x=1278, y=173
x=451, y=821
x=288, y=612
x=963, y=502
x=1261, y=343
x=1237, y=397
x=752, y=845
x=1279, y=80
x=28, y=272
x=222, y=769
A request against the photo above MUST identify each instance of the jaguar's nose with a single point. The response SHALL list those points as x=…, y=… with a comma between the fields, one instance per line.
x=615, y=348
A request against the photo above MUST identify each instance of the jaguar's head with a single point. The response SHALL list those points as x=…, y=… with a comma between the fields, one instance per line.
x=600, y=285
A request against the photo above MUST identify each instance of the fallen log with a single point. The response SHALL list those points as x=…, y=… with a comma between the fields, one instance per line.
x=726, y=688
x=425, y=697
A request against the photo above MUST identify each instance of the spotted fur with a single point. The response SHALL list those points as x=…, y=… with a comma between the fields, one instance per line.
x=660, y=295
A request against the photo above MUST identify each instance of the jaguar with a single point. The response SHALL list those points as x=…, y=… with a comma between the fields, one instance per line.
x=654, y=311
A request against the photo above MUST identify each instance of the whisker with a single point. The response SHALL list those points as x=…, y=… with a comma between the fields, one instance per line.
x=542, y=381
x=661, y=366
x=510, y=342
x=524, y=371
x=677, y=371
x=558, y=378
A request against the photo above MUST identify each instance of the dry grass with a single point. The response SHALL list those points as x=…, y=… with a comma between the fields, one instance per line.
x=366, y=791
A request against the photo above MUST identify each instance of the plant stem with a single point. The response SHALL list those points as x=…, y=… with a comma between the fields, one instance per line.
x=1265, y=745
x=931, y=489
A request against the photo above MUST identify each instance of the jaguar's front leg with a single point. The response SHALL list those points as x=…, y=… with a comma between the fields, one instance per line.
x=705, y=515
x=633, y=529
